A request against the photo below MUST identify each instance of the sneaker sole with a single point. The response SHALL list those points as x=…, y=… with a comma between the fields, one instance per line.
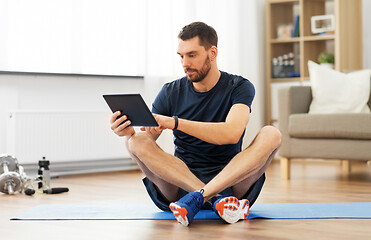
x=180, y=213
x=231, y=209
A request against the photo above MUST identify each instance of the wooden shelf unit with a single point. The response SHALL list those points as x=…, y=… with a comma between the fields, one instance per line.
x=345, y=42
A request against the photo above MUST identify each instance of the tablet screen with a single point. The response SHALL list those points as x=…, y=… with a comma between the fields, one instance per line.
x=133, y=106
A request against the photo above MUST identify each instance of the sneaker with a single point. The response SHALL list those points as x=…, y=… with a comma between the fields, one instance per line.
x=230, y=209
x=186, y=208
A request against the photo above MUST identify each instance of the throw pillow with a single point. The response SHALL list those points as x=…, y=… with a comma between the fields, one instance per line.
x=336, y=92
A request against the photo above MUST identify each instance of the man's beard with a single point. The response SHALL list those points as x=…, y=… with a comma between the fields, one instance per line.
x=199, y=74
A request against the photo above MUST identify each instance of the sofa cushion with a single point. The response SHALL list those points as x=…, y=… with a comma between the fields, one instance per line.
x=337, y=92
x=346, y=126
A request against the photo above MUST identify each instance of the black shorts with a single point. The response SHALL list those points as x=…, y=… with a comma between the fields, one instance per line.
x=162, y=203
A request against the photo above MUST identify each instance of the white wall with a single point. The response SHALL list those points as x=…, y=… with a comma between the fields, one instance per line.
x=253, y=52
x=47, y=92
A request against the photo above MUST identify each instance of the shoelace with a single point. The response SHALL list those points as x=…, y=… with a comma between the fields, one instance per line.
x=194, y=201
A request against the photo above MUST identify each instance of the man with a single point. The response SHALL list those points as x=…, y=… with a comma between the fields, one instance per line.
x=208, y=111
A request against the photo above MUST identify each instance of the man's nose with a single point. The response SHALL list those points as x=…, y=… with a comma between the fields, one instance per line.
x=186, y=62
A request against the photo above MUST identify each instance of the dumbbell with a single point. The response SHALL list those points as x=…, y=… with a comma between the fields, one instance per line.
x=10, y=179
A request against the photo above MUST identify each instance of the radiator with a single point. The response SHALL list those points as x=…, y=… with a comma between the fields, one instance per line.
x=63, y=137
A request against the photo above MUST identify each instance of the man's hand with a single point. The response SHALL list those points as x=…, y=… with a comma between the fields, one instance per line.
x=121, y=130
x=164, y=122
x=153, y=131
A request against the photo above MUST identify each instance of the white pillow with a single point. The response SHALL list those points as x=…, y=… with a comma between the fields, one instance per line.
x=336, y=92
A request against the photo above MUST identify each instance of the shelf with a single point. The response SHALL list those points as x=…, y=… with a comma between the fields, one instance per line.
x=285, y=40
x=345, y=42
x=306, y=38
x=293, y=79
x=283, y=1
x=319, y=37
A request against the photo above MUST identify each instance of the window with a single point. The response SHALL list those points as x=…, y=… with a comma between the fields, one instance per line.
x=105, y=37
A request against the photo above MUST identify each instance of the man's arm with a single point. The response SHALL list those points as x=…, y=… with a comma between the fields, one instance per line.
x=228, y=132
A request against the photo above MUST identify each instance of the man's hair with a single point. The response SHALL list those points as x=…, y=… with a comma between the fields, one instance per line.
x=206, y=34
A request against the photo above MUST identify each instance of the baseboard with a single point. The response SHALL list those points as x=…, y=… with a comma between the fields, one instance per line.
x=80, y=167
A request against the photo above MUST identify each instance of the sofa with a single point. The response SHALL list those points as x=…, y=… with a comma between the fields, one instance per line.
x=342, y=136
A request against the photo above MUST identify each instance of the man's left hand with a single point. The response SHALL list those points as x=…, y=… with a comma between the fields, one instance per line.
x=164, y=122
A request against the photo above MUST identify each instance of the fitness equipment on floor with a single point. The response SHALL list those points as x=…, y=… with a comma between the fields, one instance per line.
x=44, y=177
x=12, y=175
x=14, y=179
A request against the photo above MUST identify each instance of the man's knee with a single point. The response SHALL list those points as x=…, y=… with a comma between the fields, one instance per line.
x=272, y=134
x=140, y=144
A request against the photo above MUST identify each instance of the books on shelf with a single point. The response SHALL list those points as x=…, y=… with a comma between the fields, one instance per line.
x=296, y=30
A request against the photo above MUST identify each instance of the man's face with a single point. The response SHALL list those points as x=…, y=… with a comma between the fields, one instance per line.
x=195, y=59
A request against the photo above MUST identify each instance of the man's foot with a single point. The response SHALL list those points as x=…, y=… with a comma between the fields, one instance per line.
x=230, y=209
x=186, y=208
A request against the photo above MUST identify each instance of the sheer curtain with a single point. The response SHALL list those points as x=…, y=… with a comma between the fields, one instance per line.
x=73, y=36
x=240, y=28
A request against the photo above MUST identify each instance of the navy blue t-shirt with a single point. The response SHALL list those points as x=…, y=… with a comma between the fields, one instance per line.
x=178, y=98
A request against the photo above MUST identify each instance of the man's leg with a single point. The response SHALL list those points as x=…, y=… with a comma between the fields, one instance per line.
x=247, y=166
x=240, y=174
x=167, y=172
x=240, y=189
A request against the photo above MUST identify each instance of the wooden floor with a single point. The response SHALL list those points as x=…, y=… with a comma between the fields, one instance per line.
x=315, y=181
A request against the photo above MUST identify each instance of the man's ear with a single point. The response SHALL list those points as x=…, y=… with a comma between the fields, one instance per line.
x=213, y=53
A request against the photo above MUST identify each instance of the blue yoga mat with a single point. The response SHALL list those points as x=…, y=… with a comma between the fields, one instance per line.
x=150, y=212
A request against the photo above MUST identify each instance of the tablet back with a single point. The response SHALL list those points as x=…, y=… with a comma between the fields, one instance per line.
x=133, y=106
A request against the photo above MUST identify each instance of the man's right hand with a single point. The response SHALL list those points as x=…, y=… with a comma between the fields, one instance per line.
x=121, y=130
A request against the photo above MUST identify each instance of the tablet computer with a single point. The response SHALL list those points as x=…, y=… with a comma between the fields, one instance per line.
x=133, y=106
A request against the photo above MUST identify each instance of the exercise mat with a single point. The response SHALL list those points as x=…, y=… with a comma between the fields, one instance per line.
x=150, y=212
